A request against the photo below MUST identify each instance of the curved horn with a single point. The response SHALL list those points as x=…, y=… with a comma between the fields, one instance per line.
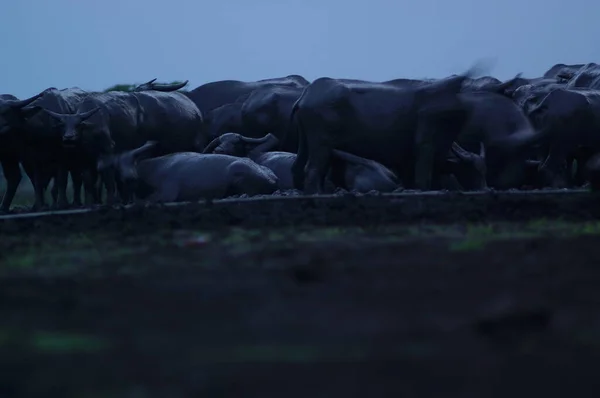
x=57, y=116
x=531, y=162
x=86, y=115
x=461, y=153
x=149, y=145
x=212, y=145
x=500, y=88
x=261, y=140
x=145, y=86
x=565, y=75
x=23, y=103
x=169, y=87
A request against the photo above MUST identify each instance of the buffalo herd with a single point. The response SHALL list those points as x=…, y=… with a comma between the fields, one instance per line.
x=158, y=144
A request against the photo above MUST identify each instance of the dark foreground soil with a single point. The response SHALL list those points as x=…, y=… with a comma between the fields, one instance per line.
x=465, y=310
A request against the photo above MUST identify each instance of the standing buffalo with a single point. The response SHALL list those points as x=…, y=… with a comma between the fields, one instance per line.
x=562, y=71
x=215, y=94
x=570, y=121
x=190, y=176
x=506, y=133
x=408, y=129
x=588, y=76
x=13, y=149
x=115, y=122
x=51, y=158
x=266, y=110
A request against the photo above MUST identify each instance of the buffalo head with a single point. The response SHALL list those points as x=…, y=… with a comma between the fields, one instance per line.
x=72, y=124
x=470, y=168
x=237, y=145
x=125, y=163
x=13, y=111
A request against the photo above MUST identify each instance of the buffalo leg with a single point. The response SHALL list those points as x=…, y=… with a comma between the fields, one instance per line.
x=62, y=176
x=54, y=193
x=39, y=188
x=124, y=190
x=89, y=187
x=13, y=176
x=425, y=155
x=424, y=165
x=77, y=180
x=108, y=176
x=319, y=157
x=99, y=184
x=299, y=164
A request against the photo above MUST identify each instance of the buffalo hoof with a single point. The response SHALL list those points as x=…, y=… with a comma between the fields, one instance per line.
x=38, y=208
x=61, y=205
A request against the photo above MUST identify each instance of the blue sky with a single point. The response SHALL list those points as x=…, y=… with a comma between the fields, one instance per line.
x=95, y=44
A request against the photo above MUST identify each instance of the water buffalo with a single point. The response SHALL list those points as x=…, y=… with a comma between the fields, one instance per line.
x=407, y=129
x=152, y=86
x=504, y=130
x=13, y=139
x=225, y=118
x=190, y=176
x=51, y=158
x=115, y=122
x=562, y=70
x=569, y=120
x=212, y=95
x=592, y=172
x=348, y=171
x=490, y=84
x=468, y=169
x=588, y=76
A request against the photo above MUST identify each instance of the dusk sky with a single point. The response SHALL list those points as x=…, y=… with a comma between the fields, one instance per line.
x=95, y=44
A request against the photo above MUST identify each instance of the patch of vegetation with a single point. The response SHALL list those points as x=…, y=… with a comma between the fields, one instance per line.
x=101, y=253
x=66, y=343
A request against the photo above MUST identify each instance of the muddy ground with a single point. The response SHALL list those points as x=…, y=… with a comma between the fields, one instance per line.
x=451, y=295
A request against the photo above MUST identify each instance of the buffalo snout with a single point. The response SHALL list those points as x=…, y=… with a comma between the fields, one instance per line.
x=70, y=139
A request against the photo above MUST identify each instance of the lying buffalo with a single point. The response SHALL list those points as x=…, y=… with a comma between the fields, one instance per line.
x=116, y=122
x=189, y=176
x=348, y=171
